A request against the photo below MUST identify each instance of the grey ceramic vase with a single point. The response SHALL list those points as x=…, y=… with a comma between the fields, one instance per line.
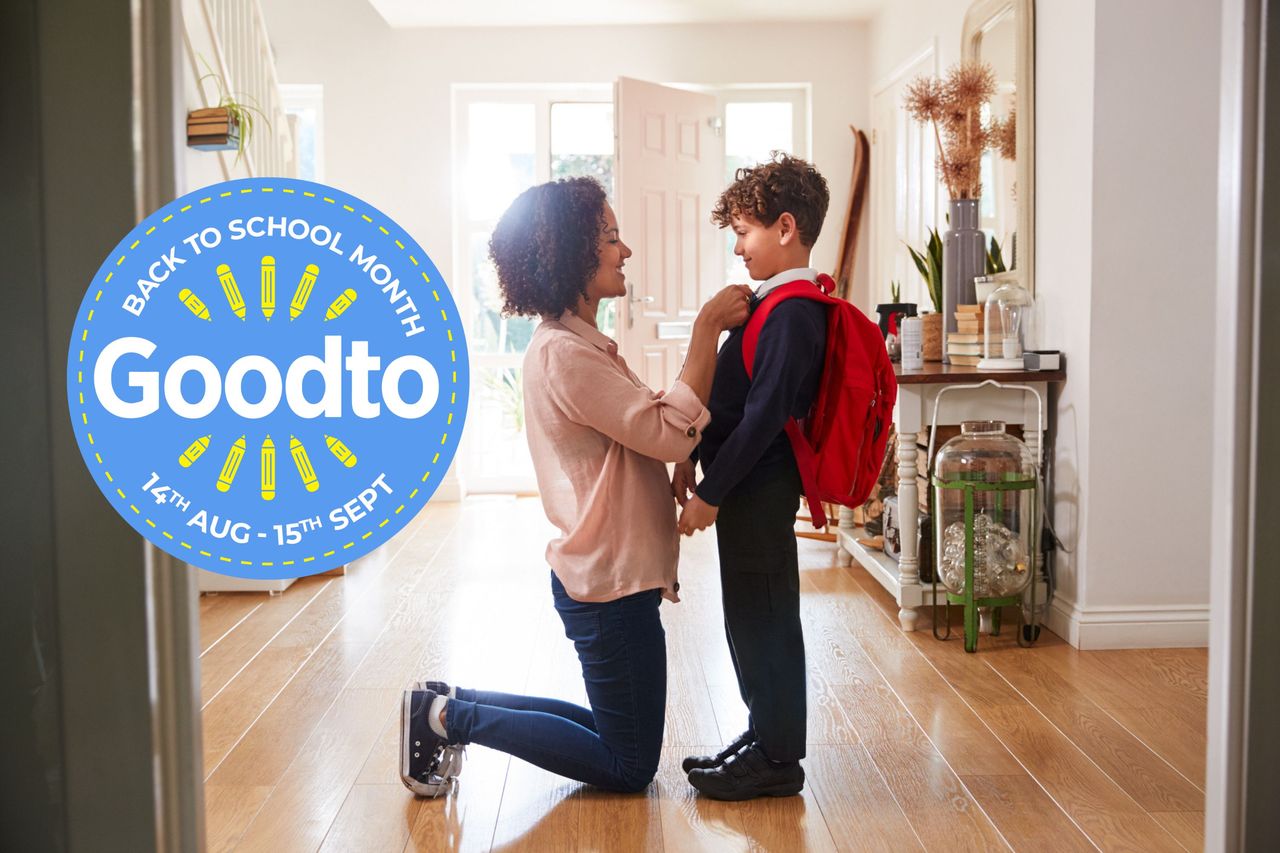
x=964, y=257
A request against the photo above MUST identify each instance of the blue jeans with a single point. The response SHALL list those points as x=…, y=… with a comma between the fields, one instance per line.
x=616, y=743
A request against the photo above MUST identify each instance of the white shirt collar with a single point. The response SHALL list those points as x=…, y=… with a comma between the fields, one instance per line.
x=785, y=277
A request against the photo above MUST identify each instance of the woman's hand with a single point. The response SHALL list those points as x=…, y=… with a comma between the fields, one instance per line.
x=683, y=481
x=697, y=515
x=729, y=308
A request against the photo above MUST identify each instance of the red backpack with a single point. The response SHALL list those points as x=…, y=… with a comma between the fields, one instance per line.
x=839, y=447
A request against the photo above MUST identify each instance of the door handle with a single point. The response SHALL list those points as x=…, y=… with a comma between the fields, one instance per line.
x=632, y=299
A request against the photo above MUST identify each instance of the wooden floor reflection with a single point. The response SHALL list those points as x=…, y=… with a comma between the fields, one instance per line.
x=913, y=743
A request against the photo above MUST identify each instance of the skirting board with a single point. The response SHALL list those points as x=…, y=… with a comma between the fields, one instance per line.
x=450, y=490
x=1163, y=627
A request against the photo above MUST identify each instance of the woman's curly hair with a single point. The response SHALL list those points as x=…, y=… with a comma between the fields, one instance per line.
x=783, y=184
x=546, y=246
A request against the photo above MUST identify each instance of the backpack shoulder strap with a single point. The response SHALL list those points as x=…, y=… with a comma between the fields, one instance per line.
x=806, y=462
x=800, y=289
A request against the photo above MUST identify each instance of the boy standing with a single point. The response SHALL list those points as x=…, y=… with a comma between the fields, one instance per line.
x=751, y=486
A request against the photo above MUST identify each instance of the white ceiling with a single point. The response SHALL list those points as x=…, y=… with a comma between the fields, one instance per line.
x=557, y=13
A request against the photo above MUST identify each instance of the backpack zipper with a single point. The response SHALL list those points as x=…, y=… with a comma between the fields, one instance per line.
x=863, y=448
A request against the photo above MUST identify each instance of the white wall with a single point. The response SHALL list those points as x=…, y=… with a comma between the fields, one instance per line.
x=1126, y=118
x=1064, y=259
x=388, y=107
x=388, y=97
x=1155, y=124
x=905, y=27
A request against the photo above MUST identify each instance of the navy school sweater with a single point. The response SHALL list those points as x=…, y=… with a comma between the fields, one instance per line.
x=748, y=415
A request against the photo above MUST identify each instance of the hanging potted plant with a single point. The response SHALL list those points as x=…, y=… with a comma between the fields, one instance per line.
x=929, y=263
x=953, y=106
x=228, y=126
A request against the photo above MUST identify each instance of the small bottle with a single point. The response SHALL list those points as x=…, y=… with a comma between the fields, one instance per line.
x=912, y=344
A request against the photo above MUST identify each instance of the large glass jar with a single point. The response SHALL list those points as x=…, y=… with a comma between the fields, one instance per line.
x=985, y=506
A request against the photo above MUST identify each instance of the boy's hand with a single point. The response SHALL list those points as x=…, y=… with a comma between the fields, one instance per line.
x=683, y=481
x=729, y=308
x=696, y=515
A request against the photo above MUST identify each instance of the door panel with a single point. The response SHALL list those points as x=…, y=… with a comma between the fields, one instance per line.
x=669, y=167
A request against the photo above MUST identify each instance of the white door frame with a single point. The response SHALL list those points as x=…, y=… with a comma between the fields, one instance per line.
x=463, y=96
x=1234, y=633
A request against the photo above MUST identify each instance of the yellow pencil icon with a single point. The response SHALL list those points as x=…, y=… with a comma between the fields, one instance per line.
x=268, y=286
x=268, y=469
x=229, y=468
x=193, y=303
x=194, y=451
x=341, y=304
x=340, y=450
x=303, y=293
x=303, y=462
x=231, y=289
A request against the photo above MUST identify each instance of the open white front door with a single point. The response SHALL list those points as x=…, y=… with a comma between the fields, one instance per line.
x=669, y=165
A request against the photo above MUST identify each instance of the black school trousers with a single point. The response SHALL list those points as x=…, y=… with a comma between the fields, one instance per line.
x=760, y=589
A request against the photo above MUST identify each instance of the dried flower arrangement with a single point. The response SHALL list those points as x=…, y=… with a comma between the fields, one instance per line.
x=953, y=105
x=1005, y=136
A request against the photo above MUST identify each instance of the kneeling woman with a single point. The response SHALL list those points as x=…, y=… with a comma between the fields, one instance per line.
x=599, y=440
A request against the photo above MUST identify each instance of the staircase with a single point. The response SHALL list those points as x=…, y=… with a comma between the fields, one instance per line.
x=229, y=38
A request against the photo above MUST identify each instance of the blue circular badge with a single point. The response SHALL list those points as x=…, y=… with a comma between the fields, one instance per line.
x=268, y=378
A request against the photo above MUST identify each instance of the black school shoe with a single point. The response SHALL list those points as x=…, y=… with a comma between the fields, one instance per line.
x=428, y=763
x=709, y=762
x=747, y=775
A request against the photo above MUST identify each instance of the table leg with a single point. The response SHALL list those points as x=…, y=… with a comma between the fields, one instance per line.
x=1034, y=440
x=908, y=510
x=844, y=559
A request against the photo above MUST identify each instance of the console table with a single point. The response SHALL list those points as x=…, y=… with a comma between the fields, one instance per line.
x=917, y=390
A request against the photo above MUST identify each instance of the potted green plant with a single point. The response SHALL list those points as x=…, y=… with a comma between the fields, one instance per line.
x=228, y=126
x=929, y=263
x=984, y=285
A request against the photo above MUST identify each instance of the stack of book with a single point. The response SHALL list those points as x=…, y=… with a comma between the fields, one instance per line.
x=964, y=345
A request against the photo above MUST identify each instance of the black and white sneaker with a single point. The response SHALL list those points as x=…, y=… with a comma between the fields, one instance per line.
x=438, y=687
x=429, y=765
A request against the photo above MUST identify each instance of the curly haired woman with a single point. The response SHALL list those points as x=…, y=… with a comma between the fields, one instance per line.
x=599, y=440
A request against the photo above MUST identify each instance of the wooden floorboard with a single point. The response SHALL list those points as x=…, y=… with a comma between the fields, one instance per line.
x=913, y=744
x=1186, y=827
x=1150, y=780
x=221, y=613
x=227, y=657
x=860, y=810
x=302, y=808
x=1027, y=817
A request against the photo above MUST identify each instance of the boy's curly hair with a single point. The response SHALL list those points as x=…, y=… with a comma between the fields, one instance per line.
x=783, y=184
x=546, y=247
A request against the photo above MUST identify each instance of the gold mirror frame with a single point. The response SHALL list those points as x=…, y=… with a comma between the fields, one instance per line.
x=979, y=17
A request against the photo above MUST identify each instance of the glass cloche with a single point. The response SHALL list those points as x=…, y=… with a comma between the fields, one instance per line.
x=1008, y=318
x=985, y=506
